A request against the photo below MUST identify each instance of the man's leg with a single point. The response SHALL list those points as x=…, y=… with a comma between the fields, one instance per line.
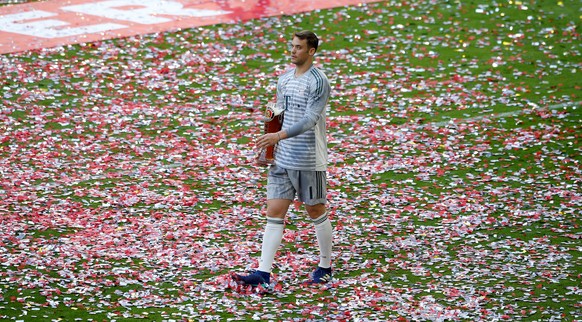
x=276, y=210
x=312, y=190
x=323, y=232
x=280, y=193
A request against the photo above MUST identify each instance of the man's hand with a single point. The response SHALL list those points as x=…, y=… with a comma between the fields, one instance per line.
x=268, y=139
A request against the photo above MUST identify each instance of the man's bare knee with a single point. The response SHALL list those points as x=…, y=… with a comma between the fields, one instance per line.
x=315, y=211
x=277, y=208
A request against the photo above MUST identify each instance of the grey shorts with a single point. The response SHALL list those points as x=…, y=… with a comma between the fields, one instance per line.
x=310, y=186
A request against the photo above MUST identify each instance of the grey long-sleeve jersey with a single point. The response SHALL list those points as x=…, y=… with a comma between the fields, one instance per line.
x=305, y=100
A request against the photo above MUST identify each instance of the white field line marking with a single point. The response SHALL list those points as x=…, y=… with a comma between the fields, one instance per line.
x=500, y=115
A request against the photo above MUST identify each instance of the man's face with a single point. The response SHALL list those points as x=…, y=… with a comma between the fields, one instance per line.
x=300, y=52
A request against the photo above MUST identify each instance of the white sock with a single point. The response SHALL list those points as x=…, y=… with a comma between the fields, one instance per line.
x=271, y=241
x=323, y=231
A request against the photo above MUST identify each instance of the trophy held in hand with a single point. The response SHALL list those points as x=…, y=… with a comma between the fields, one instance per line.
x=273, y=123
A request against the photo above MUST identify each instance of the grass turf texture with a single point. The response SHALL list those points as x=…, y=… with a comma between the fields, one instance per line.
x=129, y=192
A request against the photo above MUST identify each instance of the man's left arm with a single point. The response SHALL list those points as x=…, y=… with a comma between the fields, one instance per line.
x=316, y=104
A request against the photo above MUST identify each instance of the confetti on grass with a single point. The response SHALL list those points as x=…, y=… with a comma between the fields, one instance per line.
x=128, y=189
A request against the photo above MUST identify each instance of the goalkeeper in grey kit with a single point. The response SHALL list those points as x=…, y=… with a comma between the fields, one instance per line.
x=300, y=161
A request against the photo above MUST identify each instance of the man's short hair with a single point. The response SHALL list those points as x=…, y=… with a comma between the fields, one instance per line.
x=312, y=40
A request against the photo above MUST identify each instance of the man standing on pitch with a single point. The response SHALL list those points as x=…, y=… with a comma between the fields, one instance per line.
x=301, y=160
